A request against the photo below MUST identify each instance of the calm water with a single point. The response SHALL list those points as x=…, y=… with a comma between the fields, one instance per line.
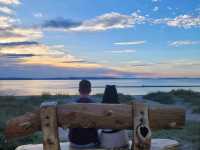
x=126, y=86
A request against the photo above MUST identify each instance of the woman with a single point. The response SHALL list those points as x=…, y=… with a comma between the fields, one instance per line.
x=113, y=138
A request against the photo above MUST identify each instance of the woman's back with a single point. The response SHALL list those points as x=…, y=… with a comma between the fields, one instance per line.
x=113, y=138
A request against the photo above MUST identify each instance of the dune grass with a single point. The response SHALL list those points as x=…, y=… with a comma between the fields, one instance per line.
x=184, y=96
x=188, y=137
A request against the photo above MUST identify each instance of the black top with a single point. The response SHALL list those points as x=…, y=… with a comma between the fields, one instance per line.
x=82, y=136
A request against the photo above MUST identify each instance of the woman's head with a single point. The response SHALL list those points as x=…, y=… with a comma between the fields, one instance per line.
x=110, y=95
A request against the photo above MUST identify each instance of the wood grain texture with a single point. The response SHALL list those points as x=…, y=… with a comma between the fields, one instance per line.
x=141, y=131
x=48, y=116
x=116, y=116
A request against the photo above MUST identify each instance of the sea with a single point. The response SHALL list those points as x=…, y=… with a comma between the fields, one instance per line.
x=136, y=86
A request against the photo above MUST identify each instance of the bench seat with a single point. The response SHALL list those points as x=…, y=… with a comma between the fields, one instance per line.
x=156, y=144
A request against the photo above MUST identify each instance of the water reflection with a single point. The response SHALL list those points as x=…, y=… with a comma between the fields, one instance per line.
x=37, y=87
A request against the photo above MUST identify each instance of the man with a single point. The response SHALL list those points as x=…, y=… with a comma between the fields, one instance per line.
x=83, y=137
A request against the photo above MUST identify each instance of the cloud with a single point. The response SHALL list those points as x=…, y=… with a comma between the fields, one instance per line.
x=130, y=43
x=19, y=49
x=169, y=8
x=183, y=42
x=77, y=61
x=16, y=34
x=173, y=68
x=6, y=22
x=18, y=43
x=104, y=22
x=156, y=8
x=185, y=21
x=181, y=21
x=35, y=49
x=16, y=55
x=10, y=2
x=9, y=27
x=116, y=20
x=32, y=53
x=155, y=0
x=61, y=23
x=38, y=15
x=123, y=51
x=6, y=10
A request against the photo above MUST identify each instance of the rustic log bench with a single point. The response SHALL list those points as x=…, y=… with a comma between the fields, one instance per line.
x=137, y=116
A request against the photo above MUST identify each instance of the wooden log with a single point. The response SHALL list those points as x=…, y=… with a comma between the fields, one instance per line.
x=95, y=116
x=141, y=131
x=24, y=125
x=48, y=116
x=116, y=116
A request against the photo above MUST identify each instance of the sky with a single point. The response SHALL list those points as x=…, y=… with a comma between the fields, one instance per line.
x=115, y=38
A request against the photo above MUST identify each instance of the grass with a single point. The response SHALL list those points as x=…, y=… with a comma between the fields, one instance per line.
x=188, y=137
x=185, y=96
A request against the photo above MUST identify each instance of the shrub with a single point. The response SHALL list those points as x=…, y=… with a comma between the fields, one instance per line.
x=161, y=97
x=46, y=95
x=187, y=96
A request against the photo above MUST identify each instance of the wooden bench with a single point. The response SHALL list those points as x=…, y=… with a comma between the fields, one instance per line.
x=137, y=116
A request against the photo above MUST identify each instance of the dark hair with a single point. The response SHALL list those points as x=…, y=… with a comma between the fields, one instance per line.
x=110, y=95
x=84, y=87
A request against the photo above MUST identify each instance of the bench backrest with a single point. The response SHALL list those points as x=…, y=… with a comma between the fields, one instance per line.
x=136, y=116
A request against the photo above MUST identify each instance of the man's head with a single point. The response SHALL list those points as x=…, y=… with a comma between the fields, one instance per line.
x=84, y=87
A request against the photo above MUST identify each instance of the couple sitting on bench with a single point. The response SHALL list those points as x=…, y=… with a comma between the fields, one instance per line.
x=89, y=137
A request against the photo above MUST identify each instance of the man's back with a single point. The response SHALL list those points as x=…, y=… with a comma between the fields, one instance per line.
x=83, y=136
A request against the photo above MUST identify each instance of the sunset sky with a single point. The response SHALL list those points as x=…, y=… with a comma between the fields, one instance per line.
x=115, y=38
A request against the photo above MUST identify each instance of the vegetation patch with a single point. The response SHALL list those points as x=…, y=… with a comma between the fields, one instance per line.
x=184, y=96
x=188, y=137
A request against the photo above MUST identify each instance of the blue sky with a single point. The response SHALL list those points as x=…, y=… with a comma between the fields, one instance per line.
x=129, y=38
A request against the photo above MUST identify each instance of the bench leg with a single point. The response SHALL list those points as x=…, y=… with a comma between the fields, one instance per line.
x=141, y=131
x=48, y=116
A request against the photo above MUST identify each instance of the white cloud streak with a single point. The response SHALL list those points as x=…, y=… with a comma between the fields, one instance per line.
x=6, y=10
x=15, y=34
x=10, y=2
x=184, y=42
x=130, y=43
x=173, y=68
x=181, y=21
x=123, y=51
x=38, y=15
x=156, y=8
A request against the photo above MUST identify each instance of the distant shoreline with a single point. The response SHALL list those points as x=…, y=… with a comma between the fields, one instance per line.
x=99, y=78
